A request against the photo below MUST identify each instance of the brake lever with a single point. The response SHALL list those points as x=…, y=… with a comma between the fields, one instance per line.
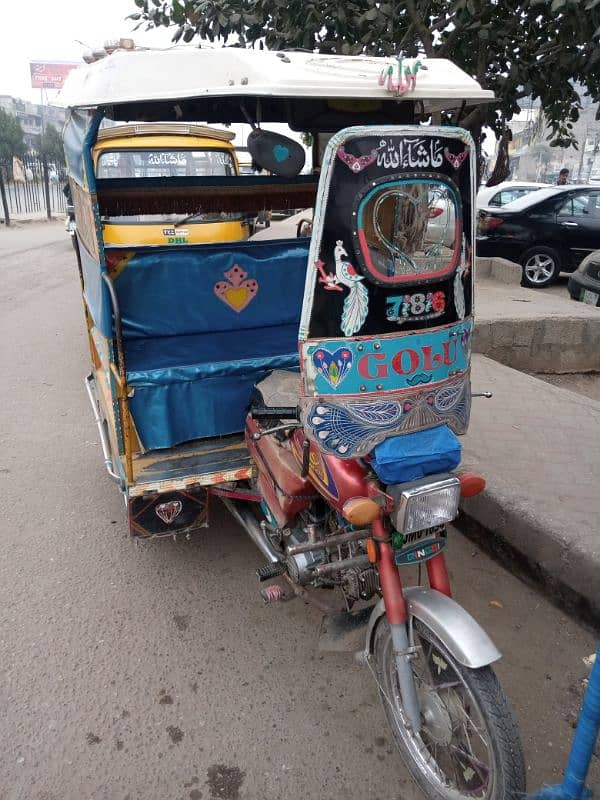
x=487, y=395
x=259, y=434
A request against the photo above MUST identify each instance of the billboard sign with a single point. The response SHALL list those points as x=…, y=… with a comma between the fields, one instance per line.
x=49, y=74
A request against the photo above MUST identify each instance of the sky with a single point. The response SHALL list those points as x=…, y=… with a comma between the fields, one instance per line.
x=55, y=35
x=51, y=31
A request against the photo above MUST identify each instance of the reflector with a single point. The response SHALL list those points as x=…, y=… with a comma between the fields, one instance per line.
x=471, y=484
x=360, y=511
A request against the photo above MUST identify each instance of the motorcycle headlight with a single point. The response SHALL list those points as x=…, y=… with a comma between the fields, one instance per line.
x=424, y=503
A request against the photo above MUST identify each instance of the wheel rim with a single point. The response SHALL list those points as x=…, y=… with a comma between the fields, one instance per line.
x=452, y=751
x=539, y=268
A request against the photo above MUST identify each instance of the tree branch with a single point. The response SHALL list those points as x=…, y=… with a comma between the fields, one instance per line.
x=443, y=50
x=420, y=27
x=473, y=118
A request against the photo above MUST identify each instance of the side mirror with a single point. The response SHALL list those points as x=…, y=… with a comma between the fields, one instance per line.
x=276, y=153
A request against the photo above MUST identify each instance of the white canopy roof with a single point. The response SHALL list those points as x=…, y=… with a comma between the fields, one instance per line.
x=190, y=72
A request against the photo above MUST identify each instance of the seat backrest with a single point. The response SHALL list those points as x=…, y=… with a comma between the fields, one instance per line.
x=210, y=288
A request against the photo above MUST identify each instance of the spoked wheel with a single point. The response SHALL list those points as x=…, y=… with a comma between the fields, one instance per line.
x=469, y=744
x=541, y=267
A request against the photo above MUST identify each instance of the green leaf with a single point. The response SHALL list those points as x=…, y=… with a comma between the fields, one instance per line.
x=533, y=46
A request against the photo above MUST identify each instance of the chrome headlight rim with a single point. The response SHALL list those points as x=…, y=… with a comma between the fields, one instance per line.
x=407, y=494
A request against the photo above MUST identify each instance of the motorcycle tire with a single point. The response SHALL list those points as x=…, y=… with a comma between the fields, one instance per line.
x=440, y=757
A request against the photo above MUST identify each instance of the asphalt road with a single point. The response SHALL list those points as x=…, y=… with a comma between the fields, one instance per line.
x=156, y=672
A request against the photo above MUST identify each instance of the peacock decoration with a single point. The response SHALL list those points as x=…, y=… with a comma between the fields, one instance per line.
x=356, y=304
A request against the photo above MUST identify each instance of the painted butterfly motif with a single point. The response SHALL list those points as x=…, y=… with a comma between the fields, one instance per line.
x=456, y=159
x=334, y=367
x=238, y=290
x=356, y=163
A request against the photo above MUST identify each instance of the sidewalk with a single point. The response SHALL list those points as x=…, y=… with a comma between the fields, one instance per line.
x=536, y=330
x=30, y=216
x=539, y=448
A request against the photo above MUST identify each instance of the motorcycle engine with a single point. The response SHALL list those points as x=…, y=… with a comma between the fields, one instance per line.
x=300, y=566
x=360, y=584
x=357, y=582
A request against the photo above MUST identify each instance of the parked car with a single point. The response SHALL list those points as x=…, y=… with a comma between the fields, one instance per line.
x=548, y=231
x=296, y=225
x=584, y=283
x=506, y=192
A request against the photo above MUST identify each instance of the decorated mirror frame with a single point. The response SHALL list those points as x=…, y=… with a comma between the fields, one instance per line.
x=387, y=318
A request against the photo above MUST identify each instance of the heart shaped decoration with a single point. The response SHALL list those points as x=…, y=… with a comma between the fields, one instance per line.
x=334, y=367
x=281, y=153
x=169, y=511
x=238, y=290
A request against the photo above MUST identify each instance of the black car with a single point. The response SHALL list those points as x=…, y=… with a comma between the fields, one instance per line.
x=584, y=283
x=548, y=231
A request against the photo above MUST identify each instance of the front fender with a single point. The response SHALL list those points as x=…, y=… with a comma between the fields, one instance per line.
x=455, y=628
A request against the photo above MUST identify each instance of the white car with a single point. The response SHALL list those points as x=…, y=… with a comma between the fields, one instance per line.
x=506, y=192
x=297, y=225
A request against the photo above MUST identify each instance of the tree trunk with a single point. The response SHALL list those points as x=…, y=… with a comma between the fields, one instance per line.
x=501, y=167
x=46, y=187
x=4, y=200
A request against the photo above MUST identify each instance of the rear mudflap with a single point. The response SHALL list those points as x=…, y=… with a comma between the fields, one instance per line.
x=167, y=513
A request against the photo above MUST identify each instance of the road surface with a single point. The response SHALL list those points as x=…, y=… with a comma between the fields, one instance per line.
x=155, y=672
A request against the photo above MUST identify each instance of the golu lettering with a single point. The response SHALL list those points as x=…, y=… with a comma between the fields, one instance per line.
x=409, y=360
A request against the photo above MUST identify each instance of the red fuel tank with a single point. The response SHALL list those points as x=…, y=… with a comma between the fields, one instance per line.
x=336, y=479
x=279, y=475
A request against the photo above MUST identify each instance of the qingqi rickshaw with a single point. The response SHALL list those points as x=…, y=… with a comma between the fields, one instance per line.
x=317, y=383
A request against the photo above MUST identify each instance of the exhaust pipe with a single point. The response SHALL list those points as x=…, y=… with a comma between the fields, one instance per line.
x=250, y=524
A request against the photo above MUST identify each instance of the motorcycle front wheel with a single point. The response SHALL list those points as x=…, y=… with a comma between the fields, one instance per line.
x=469, y=744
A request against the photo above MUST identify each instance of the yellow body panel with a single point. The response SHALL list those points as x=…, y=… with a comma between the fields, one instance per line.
x=162, y=142
x=165, y=234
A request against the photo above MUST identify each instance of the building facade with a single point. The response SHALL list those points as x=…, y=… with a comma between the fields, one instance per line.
x=531, y=157
x=33, y=117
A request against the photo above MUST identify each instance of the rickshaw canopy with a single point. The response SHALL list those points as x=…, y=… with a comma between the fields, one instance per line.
x=191, y=73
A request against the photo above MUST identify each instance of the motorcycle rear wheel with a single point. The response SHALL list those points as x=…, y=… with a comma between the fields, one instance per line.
x=469, y=745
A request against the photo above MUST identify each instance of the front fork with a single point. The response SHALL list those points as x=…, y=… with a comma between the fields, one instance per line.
x=397, y=615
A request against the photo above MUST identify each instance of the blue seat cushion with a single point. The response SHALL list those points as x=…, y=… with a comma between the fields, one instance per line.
x=193, y=350
x=165, y=359
x=415, y=455
x=200, y=385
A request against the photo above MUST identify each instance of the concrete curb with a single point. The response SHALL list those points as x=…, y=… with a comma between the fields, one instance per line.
x=551, y=344
x=498, y=269
x=538, y=447
x=526, y=544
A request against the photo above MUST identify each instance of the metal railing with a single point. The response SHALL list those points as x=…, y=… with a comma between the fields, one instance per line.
x=34, y=190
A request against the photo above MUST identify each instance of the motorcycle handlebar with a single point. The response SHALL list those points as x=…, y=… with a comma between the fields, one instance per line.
x=274, y=412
